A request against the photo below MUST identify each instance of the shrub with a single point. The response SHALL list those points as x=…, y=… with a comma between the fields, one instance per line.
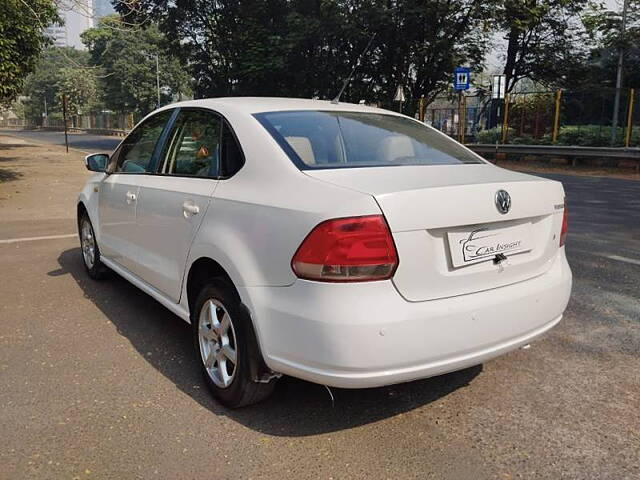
x=585, y=135
x=524, y=140
x=569, y=135
x=493, y=135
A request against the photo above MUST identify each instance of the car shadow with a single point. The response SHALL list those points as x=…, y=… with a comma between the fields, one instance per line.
x=297, y=408
x=7, y=175
x=11, y=146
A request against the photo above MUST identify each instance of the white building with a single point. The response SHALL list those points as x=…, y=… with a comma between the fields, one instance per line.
x=77, y=16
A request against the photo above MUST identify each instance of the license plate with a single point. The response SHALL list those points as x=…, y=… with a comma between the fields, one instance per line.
x=482, y=244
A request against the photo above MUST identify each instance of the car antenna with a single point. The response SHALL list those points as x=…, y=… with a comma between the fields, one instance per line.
x=344, y=85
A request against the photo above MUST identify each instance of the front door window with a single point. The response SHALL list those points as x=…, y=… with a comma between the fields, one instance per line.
x=136, y=152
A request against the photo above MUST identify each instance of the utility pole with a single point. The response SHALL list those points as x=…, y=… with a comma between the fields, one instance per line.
x=616, y=102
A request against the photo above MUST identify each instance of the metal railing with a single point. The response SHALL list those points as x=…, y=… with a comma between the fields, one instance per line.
x=559, y=150
x=581, y=118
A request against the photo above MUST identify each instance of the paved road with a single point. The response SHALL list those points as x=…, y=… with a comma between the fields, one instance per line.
x=82, y=141
x=100, y=381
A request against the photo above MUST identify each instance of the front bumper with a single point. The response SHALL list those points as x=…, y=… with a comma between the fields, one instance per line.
x=366, y=335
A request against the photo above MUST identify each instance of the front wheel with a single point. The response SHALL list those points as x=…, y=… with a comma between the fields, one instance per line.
x=224, y=345
x=90, y=251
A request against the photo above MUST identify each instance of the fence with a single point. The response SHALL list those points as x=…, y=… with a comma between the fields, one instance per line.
x=102, y=122
x=577, y=118
x=581, y=118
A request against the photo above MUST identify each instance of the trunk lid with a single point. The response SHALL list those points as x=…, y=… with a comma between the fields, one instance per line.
x=448, y=230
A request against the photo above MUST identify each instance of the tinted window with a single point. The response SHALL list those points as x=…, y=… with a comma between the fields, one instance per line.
x=232, y=158
x=316, y=139
x=137, y=149
x=193, y=147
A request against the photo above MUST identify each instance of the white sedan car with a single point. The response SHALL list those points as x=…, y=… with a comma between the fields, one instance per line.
x=341, y=244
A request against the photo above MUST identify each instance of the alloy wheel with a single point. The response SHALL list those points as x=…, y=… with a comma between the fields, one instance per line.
x=217, y=340
x=88, y=244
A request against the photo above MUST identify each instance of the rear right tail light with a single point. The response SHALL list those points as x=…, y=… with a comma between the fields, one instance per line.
x=355, y=249
x=565, y=225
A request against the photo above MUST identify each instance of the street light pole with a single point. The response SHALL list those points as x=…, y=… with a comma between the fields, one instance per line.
x=158, y=78
x=616, y=102
x=151, y=55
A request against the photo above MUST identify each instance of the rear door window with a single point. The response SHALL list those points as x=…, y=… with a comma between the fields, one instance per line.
x=193, y=147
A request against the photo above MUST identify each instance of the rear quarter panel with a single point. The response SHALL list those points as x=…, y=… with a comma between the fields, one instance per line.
x=259, y=217
x=253, y=230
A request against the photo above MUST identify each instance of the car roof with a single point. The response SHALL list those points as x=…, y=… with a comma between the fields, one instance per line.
x=251, y=105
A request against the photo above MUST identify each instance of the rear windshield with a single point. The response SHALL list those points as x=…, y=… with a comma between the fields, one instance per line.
x=316, y=139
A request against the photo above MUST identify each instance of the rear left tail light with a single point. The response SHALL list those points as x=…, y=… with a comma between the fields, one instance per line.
x=565, y=226
x=355, y=249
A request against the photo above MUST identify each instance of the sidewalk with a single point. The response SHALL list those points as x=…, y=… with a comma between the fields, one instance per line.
x=38, y=182
x=536, y=167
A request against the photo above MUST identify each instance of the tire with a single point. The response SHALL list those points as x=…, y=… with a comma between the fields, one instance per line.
x=89, y=248
x=224, y=344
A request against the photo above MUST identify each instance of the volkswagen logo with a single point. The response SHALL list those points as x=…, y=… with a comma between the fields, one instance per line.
x=503, y=201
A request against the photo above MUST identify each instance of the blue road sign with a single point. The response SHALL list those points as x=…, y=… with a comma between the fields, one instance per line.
x=461, y=77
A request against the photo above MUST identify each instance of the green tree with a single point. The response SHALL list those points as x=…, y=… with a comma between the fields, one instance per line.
x=253, y=47
x=605, y=32
x=79, y=88
x=21, y=41
x=419, y=43
x=57, y=71
x=126, y=55
x=544, y=39
x=307, y=48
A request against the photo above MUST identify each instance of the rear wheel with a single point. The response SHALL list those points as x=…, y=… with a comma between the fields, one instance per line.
x=90, y=251
x=224, y=345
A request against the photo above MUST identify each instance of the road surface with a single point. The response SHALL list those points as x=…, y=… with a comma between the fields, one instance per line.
x=100, y=381
x=86, y=142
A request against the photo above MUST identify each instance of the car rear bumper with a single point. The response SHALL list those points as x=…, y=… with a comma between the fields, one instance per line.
x=366, y=335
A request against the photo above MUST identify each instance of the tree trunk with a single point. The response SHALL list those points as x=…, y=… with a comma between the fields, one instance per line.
x=512, y=54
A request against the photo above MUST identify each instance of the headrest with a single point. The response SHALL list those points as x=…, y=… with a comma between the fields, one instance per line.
x=396, y=146
x=302, y=147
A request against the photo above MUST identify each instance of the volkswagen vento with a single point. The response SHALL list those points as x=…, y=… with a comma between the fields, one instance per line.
x=341, y=244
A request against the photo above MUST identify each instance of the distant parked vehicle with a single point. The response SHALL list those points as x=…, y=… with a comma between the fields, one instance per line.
x=341, y=244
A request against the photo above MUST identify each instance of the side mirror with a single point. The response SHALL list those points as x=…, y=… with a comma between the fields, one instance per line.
x=97, y=162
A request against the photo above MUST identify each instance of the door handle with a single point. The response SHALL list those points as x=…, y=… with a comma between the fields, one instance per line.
x=131, y=197
x=190, y=208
